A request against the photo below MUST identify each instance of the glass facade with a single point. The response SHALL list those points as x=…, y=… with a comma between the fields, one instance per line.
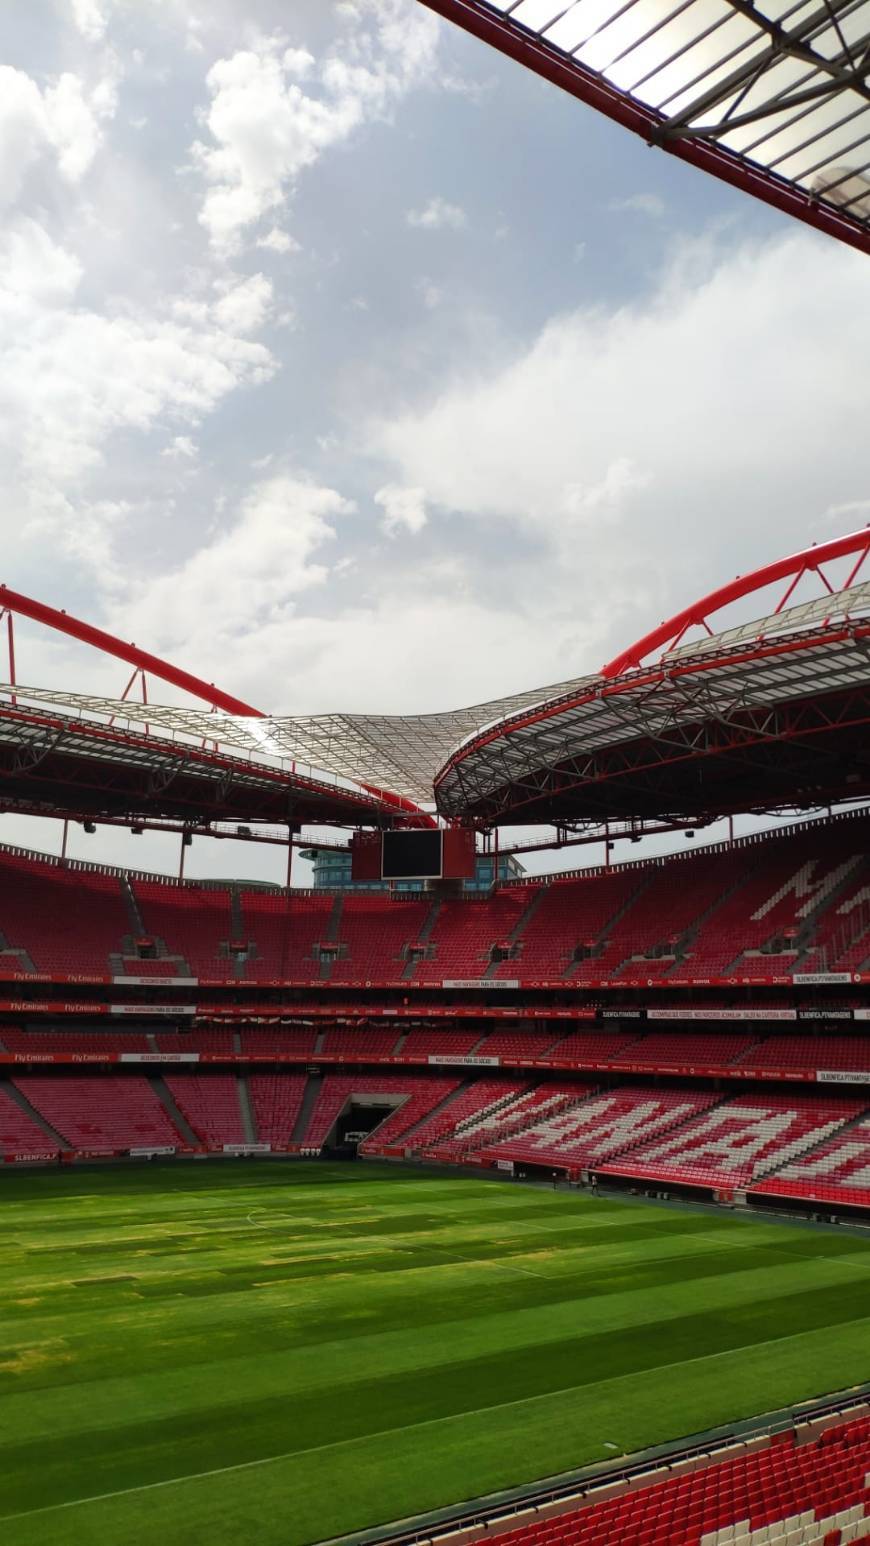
x=332, y=872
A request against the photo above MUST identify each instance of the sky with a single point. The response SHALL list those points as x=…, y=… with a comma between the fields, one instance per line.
x=348, y=365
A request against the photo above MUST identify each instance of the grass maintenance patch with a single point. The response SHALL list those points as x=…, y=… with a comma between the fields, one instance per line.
x=201, y=1355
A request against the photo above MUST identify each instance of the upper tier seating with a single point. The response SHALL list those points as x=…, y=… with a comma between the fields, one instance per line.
x=596, y=1129
x=373, y=933
x=203, y=1039
x=283, y=931
x=67, y=921
x=194, y=923
x=741, y=1141
x=464, y=934
x=786, y=1493
x=516, y=1044
x=791, y=902
x=106, y=1112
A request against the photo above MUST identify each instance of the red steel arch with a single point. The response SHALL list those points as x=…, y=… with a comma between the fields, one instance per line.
x=61, y=621
x=810, y=560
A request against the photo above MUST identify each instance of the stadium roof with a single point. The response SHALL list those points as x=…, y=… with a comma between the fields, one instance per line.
x=769, y=714
x=773, y=97
x=691, y=722
x=54, y=763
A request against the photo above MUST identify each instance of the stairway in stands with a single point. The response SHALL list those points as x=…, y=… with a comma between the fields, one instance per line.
x=249, y=1122
x=517, y=932
x=423, y=938
x=175, y=1116
x=309, y=1101
x=23, y=1104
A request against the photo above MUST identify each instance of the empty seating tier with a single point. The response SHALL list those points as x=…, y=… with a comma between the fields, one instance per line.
x=765, y=908
x=797, y=1494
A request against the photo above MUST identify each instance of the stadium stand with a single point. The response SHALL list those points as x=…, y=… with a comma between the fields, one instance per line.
x=662, y=1049
x=73, y=1042
x=600, y=1127
x=276, y=1101
x=193, y=923
x=65, y=921
x=361, y=1044
x=396, y=1128
x=299, y=1039
x=804, y=1053
x=468, y=1102
x=505, y=1116
x=374, y=933
x=741, y=1141
x=590, y=1046
x=794, y=901
x=447, y=1043
x=106, y=1113
x=836, y=1171
x=282, y=932
x=19, y=1134
x=203, y=1039
x=210, y=1102
x=338, y=1089
x=802, y=1489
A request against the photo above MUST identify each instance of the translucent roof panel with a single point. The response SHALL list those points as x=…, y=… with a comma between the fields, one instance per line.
x=773, y=97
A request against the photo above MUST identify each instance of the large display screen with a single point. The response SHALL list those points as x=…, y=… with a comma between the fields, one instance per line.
x=412, y=855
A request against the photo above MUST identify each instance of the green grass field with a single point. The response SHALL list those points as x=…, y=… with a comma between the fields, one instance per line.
x=279, y=1354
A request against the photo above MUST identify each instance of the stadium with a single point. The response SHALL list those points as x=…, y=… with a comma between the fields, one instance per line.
x=439, y=1201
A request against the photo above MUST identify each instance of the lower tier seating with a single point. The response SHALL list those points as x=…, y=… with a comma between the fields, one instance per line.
x=210, y=1102
x=785, y=1492
x=19, y=1134
x=276, y=1100
x=742, y=1140
x=594, y=1130
x=104, y=1112
x=837, y=1170
x=338, y=1089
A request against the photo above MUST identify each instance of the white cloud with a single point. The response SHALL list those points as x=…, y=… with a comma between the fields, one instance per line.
x=636, y=453
x=245, y=305
x=404, y=509
x=90, y=16
x=430, y=293
x=246, y=577
x=641, y=204
x=73, y=378
x=277, y=240
x=264, y=128
x=62, y=121
x=181, y=447
x=438, y=215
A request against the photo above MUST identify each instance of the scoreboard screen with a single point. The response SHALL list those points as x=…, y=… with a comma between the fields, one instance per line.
x=412, y=855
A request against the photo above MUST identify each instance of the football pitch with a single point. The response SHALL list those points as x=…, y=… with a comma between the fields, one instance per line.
x=203, y=1355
